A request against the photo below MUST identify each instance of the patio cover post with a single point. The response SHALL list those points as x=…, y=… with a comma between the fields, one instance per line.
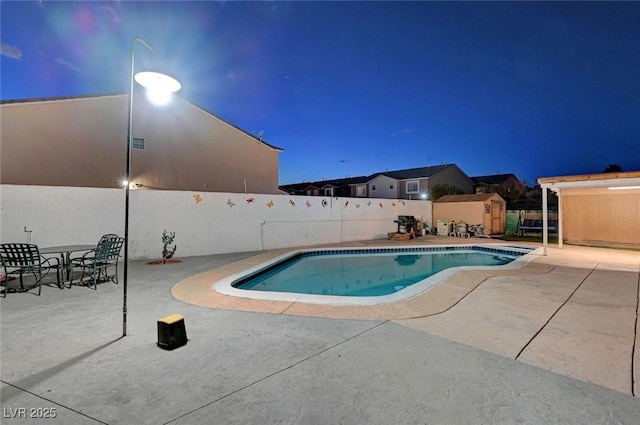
x=559, y=218
x=545, y=221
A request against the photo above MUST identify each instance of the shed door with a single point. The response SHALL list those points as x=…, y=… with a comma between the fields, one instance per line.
x=496, y=217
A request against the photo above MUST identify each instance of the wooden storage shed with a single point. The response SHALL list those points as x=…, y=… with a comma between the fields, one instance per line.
x=481, y=208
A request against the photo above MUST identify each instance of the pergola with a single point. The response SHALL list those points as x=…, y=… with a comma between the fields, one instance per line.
x=612, y=181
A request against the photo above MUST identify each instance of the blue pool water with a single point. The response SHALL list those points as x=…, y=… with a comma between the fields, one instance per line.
x=364, y=273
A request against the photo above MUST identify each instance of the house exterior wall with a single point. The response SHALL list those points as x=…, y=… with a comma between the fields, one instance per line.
x=383, y=187
x=473, y=213
x=452, y=176
x=423, y=187
x=82, y=142
x=360, y=190
x=205, y=223
x=599, y=216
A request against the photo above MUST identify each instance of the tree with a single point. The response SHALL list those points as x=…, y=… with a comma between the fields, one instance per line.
x=510, y=192
x=440, y=190
x=613, y=168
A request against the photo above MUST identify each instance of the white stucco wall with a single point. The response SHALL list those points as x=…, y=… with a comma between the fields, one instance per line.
x=204, y=223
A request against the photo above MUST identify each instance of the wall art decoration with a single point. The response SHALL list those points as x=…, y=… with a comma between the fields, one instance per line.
x=292, y=203
x=357, y=205
x=197, y=198
x=346, y=204
x=369, y=203
x=270, y=204
x=231, y=204
x=308, y=204
x=393, y=204
x=250, y=200
x=380, y=203
x=324, y=203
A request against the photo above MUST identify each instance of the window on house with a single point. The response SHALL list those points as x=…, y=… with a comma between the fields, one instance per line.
x=413, y=186
x=361, y=190
x=137, y=143
x=391, y=186
x=315, y=192
x=373, y=187
x=308, y=193
x=328, y=191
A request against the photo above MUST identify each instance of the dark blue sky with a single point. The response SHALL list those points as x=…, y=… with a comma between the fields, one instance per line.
x=537, y=89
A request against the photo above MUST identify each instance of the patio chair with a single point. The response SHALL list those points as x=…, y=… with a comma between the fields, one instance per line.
x=95, y=265
x=461, y=229
x=25, y=259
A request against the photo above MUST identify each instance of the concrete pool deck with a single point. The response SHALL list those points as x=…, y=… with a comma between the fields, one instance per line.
x=573, y=312
x=554, y=342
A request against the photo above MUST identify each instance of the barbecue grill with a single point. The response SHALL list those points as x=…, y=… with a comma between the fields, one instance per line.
x=409, y=223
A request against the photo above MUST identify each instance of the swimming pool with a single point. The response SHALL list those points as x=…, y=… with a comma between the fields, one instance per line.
x=365, y=275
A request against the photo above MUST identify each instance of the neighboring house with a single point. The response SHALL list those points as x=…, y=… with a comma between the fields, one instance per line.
x=81, y=141
x=416, y=183
x=413, y=183
x=496, y=183
x=346, y=187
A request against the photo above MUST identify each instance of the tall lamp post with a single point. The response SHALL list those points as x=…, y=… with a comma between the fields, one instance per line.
x=160, y=86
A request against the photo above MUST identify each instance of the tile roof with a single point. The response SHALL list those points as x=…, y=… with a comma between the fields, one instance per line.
x=323, y=183
x=412, y=173
x=492, y=178
x=475, y=197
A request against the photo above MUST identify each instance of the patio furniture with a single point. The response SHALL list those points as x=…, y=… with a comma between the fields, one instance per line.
x=64, y=251
x=95, y=265
x=461, y=229
x=530, y=225
x=25, y=259
x=478, y=231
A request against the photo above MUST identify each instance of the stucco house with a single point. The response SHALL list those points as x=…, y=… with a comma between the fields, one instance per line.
x=336, y=187
x=416, y=183
x=81, y=142
x=412, y=183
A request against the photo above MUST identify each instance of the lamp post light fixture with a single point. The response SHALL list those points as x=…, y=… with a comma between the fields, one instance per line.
x=159, y=87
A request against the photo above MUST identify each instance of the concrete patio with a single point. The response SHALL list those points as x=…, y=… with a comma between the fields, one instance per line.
x=553, y=343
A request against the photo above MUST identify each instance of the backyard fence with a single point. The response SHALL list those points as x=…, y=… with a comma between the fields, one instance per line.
x=204, y=222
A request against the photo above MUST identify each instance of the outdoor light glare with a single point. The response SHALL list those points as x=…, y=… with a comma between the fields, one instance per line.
x=157, y=82
x=159, y=86
x=158, y=97
x=124, y=183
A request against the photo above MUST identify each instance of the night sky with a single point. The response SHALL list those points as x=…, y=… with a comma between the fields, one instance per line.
x=537, y=89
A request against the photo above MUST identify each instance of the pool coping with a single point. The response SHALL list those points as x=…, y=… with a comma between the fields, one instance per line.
x=226, y=285
x=453, y=286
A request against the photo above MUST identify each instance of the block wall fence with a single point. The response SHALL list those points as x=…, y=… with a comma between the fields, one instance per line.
x=204, y=222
